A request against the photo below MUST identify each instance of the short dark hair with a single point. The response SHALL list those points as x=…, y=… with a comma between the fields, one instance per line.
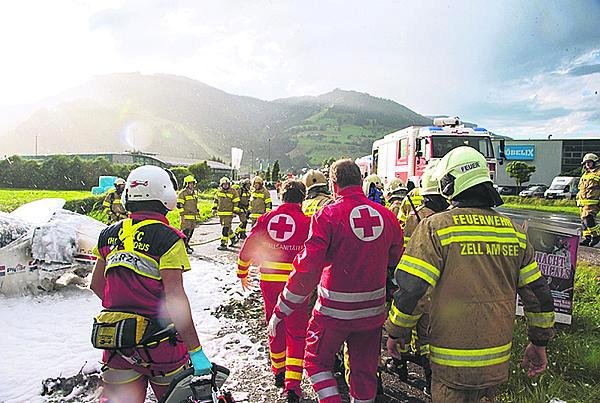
x=345, y=173
x=293, y=191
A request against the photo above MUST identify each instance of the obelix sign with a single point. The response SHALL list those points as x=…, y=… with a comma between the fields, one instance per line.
x=519, y=152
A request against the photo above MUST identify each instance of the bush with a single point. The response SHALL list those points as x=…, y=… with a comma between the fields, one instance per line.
x=539, y=201
x=86, y=205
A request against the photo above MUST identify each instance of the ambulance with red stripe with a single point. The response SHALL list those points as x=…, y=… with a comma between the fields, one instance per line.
x=404, y=154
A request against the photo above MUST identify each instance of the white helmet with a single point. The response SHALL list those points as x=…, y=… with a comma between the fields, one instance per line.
x=150, y=182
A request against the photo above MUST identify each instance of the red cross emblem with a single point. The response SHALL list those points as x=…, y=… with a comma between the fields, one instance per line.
x=366, y=223
x=281, y=227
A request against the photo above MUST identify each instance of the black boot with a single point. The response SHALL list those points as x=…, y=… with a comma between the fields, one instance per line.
x=242, y=235
x=399, y=367
x=427, y=369
x=594, y=241
x=280, y=379
x=292, y=397
x=223, y=246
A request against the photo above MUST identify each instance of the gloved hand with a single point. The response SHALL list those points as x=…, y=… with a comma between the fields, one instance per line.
x=272, y=327
x=201, y=364
x=392, y=346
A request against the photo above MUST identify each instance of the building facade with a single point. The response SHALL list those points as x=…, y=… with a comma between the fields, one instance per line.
x=550, y=157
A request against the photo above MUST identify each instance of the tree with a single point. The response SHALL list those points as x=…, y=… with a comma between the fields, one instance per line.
x=202, y=173
x=328, y=162
x=520, y=171
x=268, y=174
x=275, y=171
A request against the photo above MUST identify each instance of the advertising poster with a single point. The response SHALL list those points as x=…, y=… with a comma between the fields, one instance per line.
x=556, y=254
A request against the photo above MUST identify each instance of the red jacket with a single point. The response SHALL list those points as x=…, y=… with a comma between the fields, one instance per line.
x=275, y=240
x=351, y=244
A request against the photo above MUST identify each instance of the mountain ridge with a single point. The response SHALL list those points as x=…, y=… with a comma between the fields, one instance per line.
x=179, y=116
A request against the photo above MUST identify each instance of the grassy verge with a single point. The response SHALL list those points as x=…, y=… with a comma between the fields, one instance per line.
x=83, y=203
x=10, y=199
x=573, y=373
x=540, y=204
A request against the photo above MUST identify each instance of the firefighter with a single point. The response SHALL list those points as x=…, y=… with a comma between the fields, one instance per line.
x=150, y=286
x=476, y=260
x=351, y=305
x=414, y=196
x=225, y=203
x=317, y=190
x=272, y=245
x=372, y=187
x=260, y=200
x=113, y=207
x=433, y=202
x=588, y=200
x=395, y=193
x=187, y=202
x=243, y=190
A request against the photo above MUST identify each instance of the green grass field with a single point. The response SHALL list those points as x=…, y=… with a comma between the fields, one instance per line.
x=10, y=199
x=573, y=373
x=541, y=204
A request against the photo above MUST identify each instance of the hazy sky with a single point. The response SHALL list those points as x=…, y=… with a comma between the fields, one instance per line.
x=529, y=68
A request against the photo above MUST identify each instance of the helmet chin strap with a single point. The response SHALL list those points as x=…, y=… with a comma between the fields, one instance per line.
x=447, y=185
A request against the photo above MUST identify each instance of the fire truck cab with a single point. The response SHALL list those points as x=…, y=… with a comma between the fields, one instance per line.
x=404, y=154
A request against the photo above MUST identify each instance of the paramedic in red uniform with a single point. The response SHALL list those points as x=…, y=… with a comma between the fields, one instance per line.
x=276, y=239
x=352, y=243
x=139, y=271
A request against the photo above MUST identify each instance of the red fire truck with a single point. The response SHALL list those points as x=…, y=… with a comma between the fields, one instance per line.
x=404, y=154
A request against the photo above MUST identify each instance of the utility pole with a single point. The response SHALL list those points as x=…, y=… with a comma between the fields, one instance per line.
x=36, y=144
x=252, y=161
x=269, y=159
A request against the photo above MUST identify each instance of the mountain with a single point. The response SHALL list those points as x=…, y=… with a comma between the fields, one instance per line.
x=177, y=116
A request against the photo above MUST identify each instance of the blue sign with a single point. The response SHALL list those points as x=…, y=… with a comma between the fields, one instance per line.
x=519, y=152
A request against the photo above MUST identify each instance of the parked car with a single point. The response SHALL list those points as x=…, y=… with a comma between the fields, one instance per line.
x=506, y=190
x=562, y=187
x=534, y=191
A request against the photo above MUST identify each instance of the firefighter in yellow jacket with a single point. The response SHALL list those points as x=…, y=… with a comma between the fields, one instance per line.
x=433, y=202
x=225, y=204
x=243, y=190
x=113, y=207
x=476, y=261
x=406, y=207
x=394, y=194
x=317, y=194
x=588, y=200
x=187, y=202
x=260, y=199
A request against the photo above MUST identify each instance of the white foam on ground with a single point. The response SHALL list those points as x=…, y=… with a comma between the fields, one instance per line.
x=49, y=335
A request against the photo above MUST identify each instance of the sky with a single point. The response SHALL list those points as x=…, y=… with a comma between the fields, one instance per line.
x=518, y=68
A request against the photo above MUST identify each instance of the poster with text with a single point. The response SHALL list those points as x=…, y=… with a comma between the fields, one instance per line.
x=556, y=255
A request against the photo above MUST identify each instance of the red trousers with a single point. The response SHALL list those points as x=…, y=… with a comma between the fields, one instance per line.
x=323, y=342
x=287, y=347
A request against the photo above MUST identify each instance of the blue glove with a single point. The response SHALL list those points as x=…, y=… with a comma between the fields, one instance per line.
x=199, y=361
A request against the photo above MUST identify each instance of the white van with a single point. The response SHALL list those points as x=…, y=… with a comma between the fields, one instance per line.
x=562, y=187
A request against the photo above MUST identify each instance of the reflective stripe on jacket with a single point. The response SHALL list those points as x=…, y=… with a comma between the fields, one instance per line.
x=476, y=260
x=226, y=201
x=188, y=200
x=274, y=242
x=260, y=202
x=589, y=188
x=314, y=204
x=352, y=243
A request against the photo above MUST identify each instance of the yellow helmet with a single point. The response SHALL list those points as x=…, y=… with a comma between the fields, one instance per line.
x=189, y=179
x=429, y=185
x=258, y=179
x=461, y=169
x=224, y=180
x=395, y=185
x=119, y=182
x=313, y=178
x=589, y=157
